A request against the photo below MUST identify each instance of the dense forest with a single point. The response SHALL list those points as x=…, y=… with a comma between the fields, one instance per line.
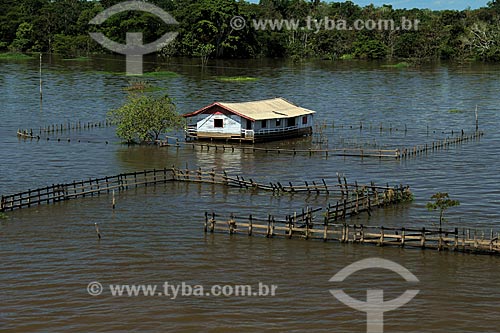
x=61, y=27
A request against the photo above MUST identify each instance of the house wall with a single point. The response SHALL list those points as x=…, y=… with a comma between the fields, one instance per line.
x=231, y=124
x=271, y=123
x=310, y=121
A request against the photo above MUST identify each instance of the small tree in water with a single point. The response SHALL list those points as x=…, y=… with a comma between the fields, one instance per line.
x=144, y=118
x=442, y=202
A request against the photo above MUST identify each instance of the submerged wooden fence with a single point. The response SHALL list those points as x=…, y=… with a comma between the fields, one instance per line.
x=80, y=189
x=353, y=197
x=308, y=226
x=380, y=153
x=396, y=153
x=347, y=191
x=438, y=145
x=36, y=133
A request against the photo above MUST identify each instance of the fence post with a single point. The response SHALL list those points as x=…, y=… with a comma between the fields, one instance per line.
x=344, y=210
x=231, y=224
x=205, y=225
x=250, y=226
x=212, y=223
x=268, y=233
x=326, y=186
x=292, y=224
x=272, y=226
x=325, y=233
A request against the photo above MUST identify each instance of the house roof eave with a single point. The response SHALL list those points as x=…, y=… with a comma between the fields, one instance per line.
x=197, y=112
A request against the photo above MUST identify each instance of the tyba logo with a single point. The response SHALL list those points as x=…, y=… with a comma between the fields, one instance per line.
x=134, y=48
x=374, y=305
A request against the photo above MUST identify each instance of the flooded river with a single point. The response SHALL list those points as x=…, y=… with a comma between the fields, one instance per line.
x=49, y=254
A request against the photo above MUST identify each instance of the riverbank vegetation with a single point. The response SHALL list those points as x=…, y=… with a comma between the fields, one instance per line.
x=61, y=27
x=236, y=78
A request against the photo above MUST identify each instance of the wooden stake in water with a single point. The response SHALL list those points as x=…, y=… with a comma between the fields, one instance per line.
x=477, y=122
x=41, y=93
x=114, y=200
x=97, y=230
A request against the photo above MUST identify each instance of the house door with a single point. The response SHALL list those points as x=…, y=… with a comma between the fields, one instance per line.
x=249, y=124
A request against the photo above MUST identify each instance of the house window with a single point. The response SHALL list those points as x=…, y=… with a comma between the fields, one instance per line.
x=218, y=123
x=278, y=122
x=304, y=120
x=290, y=122
x=264, y=123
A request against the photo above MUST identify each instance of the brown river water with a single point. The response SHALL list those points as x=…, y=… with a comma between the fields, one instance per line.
x=49, y=254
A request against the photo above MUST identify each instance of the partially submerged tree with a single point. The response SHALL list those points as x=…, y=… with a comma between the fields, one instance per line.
x=441, y=202
x=144, y=118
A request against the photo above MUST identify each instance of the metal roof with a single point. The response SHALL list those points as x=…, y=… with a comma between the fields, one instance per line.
x=260, y=110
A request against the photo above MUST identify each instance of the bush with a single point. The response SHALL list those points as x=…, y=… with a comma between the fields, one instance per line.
x=144, y=118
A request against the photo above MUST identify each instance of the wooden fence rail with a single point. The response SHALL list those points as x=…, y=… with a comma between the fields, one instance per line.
x=305, y=226
x=380, y=153
x=354, y=198
x=440, y=144
x=76, y=189
x=458, y=137
x=343, y=188
x=35, y=133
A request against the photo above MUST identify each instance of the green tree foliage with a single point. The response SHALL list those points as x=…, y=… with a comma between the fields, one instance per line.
x=441, y=201
x=369, y=49
x=61, y=26
x=24, y=38
x=144, y=118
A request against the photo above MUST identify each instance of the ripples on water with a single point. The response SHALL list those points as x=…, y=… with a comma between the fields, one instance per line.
x=50, y=253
